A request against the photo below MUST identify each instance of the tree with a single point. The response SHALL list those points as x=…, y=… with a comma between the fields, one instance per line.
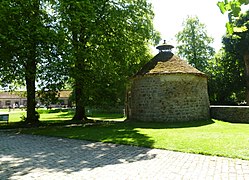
x=48, y=97
x=237, y=28
x=194, y=43
x=226, y=80
x=238, y=44
x=27, y=46
x=105, y=40
x=233, y=7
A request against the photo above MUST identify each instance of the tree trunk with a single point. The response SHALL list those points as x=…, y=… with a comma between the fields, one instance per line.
x=246, y=60
x=79, y=96
x=30, y=67
x=79, y=69
x=30, y=86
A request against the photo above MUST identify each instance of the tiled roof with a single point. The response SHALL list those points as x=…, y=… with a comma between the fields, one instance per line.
x=65, y=93
x=21, y=94
x=10, y=95
x=168, y=63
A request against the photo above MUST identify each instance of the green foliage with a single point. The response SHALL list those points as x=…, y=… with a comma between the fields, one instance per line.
x=233, y=7
x=95, y=44
x=194, y=43
x=29, y=47
x=241, y=44
x=229, y=73
x=27, y=40
x=107, y=42
x=235, y=64
x=48, y=97
x=226, y=82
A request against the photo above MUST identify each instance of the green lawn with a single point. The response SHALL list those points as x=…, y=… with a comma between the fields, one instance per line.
x=57, y=115
x=14, y=115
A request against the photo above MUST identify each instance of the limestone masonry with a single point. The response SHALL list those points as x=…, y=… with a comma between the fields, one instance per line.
x=167, y=89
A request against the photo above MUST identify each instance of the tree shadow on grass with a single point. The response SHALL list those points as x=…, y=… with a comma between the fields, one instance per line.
x=95, y=115
x=21, y=155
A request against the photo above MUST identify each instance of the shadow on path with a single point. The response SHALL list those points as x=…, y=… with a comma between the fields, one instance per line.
x=20, y=154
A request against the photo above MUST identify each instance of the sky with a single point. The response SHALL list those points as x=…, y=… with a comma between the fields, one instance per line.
x=170, y=14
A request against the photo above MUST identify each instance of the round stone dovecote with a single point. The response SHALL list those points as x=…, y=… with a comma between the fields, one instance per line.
x=168, y=89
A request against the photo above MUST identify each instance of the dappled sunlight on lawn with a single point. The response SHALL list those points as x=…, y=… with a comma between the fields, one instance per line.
x=108, y=119
x=56, y=116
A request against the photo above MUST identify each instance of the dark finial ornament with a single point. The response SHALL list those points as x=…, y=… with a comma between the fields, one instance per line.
x=164, y=47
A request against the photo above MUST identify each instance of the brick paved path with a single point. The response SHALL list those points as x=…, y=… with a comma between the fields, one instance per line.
x=37, y=157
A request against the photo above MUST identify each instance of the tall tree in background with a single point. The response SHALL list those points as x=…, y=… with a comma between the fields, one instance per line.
x=237, y=32
x=105, y=40
x=27, y=46
x=238, y=43
x=226, y=80
x=194, y=43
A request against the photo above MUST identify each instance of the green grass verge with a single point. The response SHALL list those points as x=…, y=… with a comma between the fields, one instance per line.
x=52, y=117
x=215, y=138
x=57, y=115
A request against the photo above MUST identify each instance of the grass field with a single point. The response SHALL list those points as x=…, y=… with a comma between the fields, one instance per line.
x=212, y=137
x=58, y=115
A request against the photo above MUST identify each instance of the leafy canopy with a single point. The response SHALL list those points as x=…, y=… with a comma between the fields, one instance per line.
x=233, y=8
x=194, y=43
x=107, y=42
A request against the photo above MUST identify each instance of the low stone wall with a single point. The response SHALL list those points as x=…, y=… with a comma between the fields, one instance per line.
x=230, y=113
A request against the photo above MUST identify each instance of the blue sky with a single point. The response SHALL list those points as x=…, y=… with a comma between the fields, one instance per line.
x=169, y=15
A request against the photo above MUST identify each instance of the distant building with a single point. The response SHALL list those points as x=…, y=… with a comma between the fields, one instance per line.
x=7, y=99
x=18, y=99
x=64, y=98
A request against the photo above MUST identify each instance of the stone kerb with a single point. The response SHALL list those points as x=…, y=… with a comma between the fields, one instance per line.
x=230, y=113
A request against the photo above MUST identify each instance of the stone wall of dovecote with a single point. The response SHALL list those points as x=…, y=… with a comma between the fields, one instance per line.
x=169, y=98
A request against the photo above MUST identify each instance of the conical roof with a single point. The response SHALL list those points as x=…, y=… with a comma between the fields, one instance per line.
x=165, y=62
